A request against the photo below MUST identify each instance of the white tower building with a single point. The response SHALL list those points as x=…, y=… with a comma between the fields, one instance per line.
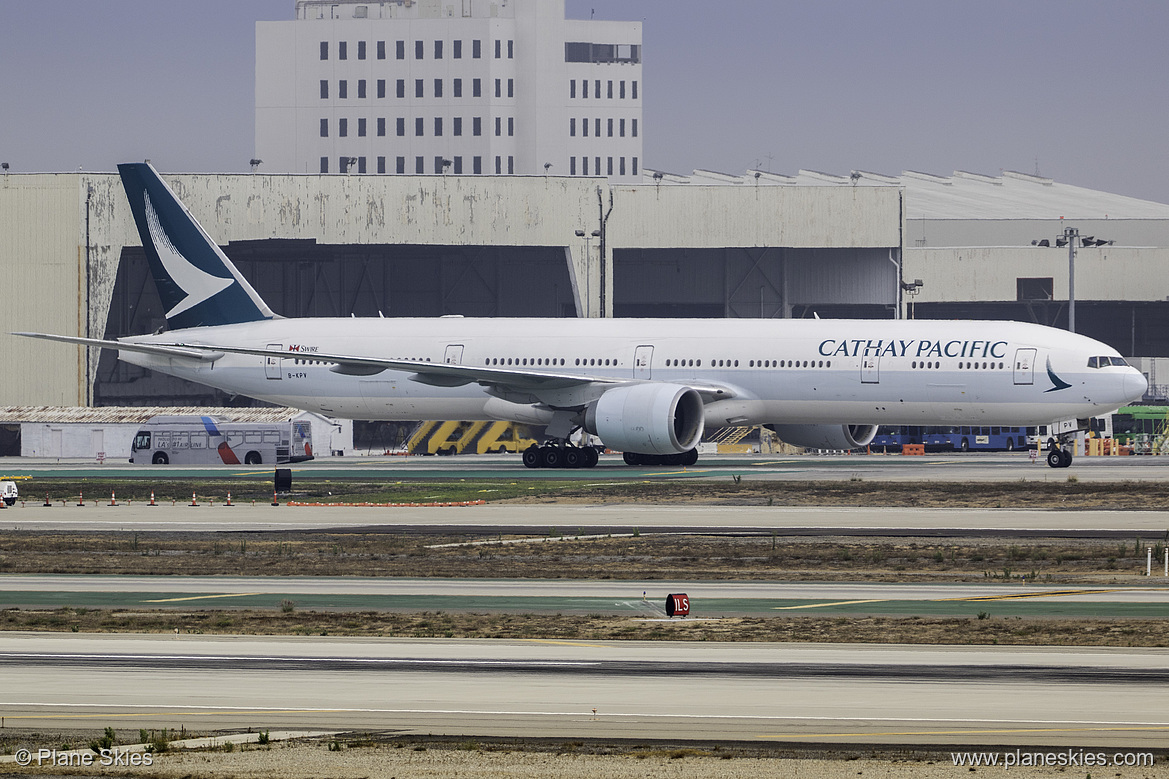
x=492, y=87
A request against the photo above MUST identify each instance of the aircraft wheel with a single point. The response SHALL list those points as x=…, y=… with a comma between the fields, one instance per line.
x=1055, y=458
x=690, y=457
x=550, y=457
x=532, y=458
x=633, y=458
x=591, y=456
x=160, y=458
x=573, y=457
x=1065, y=458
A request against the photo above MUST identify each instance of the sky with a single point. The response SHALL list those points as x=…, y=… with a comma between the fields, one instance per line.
x=1074, y=89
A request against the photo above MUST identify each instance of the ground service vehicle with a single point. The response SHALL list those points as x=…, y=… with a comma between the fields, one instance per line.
x=205, y=440
x=950, y=438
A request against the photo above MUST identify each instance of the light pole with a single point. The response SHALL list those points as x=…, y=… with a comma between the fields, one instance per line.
x=588, y=266
x=911, y=288
x=1071, y=236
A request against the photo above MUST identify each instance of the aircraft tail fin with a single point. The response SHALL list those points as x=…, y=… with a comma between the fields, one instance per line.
x=197, y=283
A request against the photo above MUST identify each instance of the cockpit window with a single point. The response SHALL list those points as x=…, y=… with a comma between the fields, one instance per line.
x=1104, y=362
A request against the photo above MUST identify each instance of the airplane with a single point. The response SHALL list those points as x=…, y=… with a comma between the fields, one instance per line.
x=645, y=387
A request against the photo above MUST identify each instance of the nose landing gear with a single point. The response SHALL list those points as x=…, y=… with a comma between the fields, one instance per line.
x=1057, y=456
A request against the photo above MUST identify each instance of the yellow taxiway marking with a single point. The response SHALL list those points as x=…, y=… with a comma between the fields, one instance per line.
x=968, y=732
x=1025, y=595
x=204, y=597
x=564, y=643
x=835, y=603
x=675, y=473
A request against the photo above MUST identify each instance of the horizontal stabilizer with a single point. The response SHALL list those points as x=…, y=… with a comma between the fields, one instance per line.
x=162, y=350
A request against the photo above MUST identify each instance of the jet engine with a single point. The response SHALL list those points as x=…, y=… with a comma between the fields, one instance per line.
x=648, y=418
x=826, y=436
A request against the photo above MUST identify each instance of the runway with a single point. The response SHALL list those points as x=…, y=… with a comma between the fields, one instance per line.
x=835, y=694
x=815, y=694
x=626, y=598
x=969, y=466
x=572, y=519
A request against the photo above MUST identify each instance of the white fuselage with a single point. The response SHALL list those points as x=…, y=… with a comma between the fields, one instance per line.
x=781, y=371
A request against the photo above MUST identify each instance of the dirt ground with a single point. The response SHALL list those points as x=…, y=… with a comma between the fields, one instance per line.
x=972, y=630
x=1065, y=493
x=557, y=556
x=384, y=756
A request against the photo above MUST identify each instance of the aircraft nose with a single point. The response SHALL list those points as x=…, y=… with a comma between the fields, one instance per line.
x=1135, y=385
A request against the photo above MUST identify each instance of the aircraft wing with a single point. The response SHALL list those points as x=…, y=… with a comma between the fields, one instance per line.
x=449, y=375
x=544, y=384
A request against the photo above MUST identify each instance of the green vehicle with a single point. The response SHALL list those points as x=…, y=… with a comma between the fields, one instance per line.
x=1145, y=428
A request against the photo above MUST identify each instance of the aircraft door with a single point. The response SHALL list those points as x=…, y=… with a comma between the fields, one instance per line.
x=274, y=366
x=643, y=362
x=871, y=369
x=454, y=354
x=1024, y=366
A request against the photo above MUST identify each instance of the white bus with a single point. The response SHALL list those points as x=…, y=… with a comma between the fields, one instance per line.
x=192, y=440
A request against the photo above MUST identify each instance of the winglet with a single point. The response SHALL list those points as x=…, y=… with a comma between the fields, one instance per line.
x=196, y=281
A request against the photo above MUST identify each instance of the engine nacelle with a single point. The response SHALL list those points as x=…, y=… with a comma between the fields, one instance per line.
x=648, y=418
x=826, y=436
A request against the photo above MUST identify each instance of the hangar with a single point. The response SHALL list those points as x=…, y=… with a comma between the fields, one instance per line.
x=367, y=246
x=703, y=245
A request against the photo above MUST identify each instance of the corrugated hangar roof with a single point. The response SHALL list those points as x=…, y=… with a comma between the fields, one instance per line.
x=962, y=195
x=123, y=415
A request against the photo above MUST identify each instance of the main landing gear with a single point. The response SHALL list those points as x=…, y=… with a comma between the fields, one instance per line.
x=684, y=458
x=1058, y=457
x=560, y=455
